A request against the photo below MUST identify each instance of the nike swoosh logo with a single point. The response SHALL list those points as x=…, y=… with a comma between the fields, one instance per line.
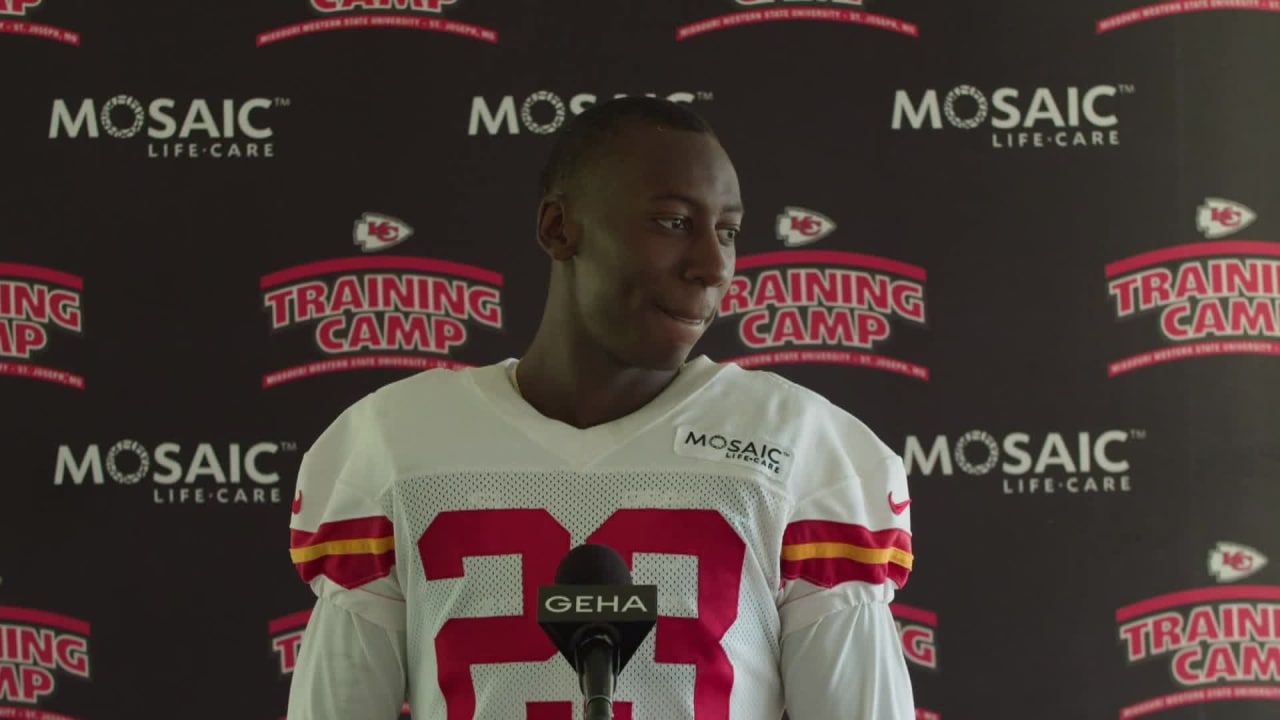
x=898, y=508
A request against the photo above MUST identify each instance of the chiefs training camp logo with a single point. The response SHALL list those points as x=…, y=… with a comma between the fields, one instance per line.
x=198, y=128
x=37, y=303
x=425, y=15
x=1181, y=7
x=285, y=635
x=1218, y=643
x=1041, y=117
x=38, y=651
x=753, y=12
x=180, y=474
x=1208, y=298
x=380, y=311
x=918, y=631
x=543, y=112
x=1082, y=462
x=13, y=21
x=822, y=306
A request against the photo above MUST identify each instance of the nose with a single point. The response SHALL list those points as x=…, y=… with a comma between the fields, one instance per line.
x=708, y=261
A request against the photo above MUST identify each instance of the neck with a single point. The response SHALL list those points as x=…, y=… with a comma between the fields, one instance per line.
x=584, y=386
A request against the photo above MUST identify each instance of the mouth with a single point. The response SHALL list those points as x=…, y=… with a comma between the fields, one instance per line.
x=691, y=320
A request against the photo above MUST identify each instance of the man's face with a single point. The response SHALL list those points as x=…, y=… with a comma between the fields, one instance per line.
x=654, y=213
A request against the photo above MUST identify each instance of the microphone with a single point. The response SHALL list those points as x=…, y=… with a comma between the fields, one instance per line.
x=597, y=618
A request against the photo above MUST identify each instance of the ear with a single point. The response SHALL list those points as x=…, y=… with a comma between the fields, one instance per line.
x=554, y=234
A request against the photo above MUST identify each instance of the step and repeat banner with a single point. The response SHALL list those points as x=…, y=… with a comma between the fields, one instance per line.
x=1035, y=246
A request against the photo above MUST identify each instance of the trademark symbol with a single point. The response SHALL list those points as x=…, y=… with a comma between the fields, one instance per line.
x=1138, y=434
x=705, y=95
x=288, y=446
x=283, y=102
x=1126, y=88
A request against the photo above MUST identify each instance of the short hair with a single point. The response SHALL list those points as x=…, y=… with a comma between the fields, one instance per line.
x=588, y=130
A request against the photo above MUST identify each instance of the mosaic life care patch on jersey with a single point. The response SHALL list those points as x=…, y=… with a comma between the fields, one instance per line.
x=753, y=452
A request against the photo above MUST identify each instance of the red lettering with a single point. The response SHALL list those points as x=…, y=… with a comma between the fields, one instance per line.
x=309, y=302
x=541, y=541
x=1155, y=288
x=750, y=330
x=807, y=225
x=1166, y=632
x=917, y=645
x=1259, y=662
x=1132, y=634
x=390, y=331
x=1172, y=324
x=64, y=308
x=1237, y=560
x=24, y=683
x=327, y=335
x=1201, y=625
x=1191, y=282
x=19, y=338
x=432, y=6
x=1209, y=320
x=346, y=296
x=73, y=654
x=908, y=300
x=277, y=301
x=363, y=333
x=484, y=306
x=769, y=290
x=462, y=642
x=1220, y=664
x=1253, y=316
x=1125, y=292
x=1228, y=217
x=287, y=646
x=1183, y=669
x=788, y=328
x=735, y=298
x=721, y=553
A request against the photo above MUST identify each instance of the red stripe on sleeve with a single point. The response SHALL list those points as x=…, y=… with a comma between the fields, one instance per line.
x=349, y=571
x=803, y=532
x=354, y=529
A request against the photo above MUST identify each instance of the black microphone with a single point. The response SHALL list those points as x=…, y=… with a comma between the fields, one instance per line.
x=597, y=618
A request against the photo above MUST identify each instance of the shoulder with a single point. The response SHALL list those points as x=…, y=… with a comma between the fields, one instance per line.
x=828, y=443
x=386, y=420
x=785, y=403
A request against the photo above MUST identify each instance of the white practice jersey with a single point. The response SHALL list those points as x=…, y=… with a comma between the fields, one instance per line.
x=774, y=524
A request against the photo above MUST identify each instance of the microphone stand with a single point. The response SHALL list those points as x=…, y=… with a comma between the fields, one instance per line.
x=597, y=657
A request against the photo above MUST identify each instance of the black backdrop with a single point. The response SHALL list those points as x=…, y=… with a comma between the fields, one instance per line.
x=136, y=325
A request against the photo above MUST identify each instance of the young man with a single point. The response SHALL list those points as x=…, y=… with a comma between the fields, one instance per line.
x=774, y=524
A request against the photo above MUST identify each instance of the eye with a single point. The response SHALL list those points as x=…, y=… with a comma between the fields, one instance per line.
x=673, y=222
x=729, y=234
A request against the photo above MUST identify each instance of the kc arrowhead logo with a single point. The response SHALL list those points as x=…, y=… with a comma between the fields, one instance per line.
x=799, y=226
x=1219, y=217
x=375, y=231
x=1230, y=561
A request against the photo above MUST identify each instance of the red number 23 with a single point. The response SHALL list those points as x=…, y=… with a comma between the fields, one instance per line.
x=541, y=541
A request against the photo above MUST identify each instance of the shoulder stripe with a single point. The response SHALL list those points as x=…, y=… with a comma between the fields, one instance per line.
x=348, y=552
x=828, y=553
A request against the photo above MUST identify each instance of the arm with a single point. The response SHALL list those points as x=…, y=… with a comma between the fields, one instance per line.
x=845, y=552
x=348, y=668
x=352, y=664
x=849, y=664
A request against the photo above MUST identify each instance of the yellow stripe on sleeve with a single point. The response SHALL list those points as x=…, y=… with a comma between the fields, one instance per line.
x=359, y=546
x=831, y=550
